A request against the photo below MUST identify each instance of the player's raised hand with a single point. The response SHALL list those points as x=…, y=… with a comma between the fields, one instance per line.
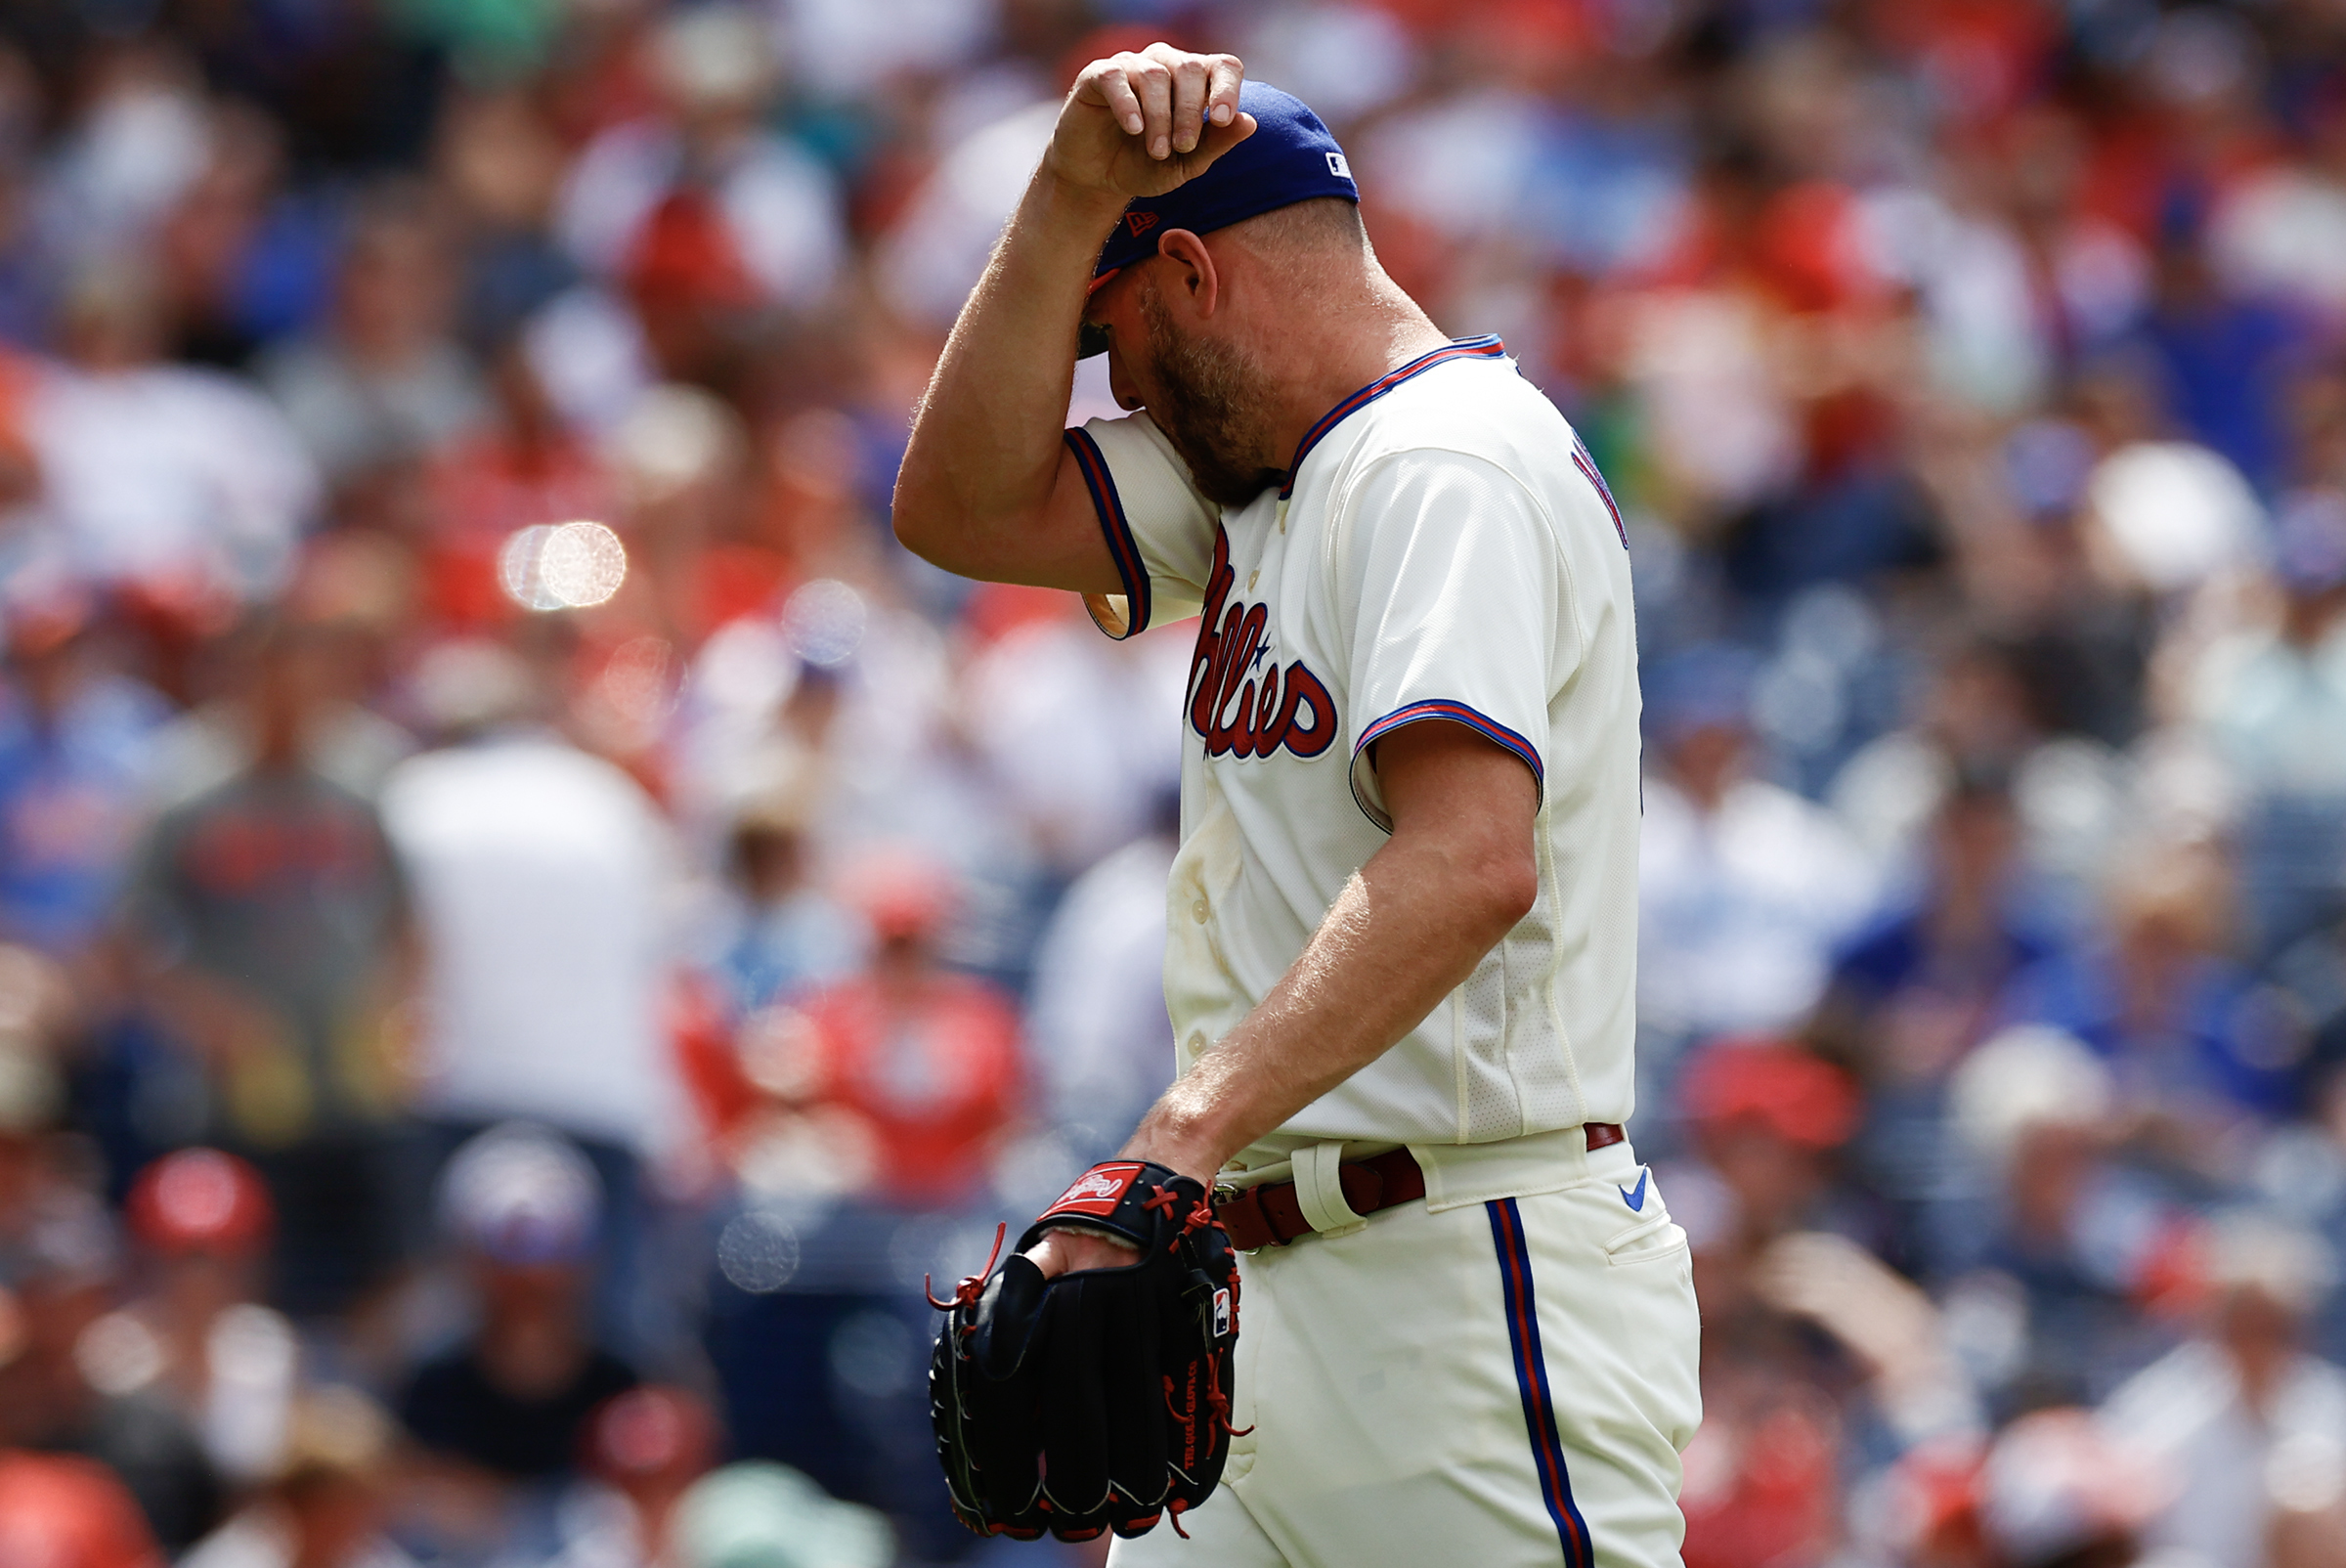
x=1140, y=125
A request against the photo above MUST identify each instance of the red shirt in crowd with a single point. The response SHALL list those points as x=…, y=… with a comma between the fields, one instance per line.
x=933, y=1067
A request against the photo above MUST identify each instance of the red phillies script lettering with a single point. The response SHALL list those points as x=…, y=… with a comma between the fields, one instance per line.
x=1229, y=707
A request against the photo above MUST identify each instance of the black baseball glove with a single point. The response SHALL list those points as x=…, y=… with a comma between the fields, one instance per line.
x=1099, y=1400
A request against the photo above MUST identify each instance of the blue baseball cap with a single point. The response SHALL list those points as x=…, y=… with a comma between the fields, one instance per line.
x=1290, y=158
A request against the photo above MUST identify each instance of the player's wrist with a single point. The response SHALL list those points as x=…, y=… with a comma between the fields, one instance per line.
x=1181, y=1148
x=1087, y=201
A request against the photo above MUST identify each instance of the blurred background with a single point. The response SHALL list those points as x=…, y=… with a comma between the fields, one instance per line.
x=529, y=927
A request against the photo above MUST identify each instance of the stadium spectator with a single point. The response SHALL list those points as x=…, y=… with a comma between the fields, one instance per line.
x=158, y=473
x=782, y=932
x=194, y=1330
x=1745, y=889
x=75, y=746
x=383, y=384
x=926, y=1062
x=2219, y=1410
x=541, y=876
x=510, y=1403
x=2055, y=1243
x=273, y=921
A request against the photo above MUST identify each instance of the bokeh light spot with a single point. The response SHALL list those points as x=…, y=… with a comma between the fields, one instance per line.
x=824, y=622
x=562, y=566
x=757, y=1253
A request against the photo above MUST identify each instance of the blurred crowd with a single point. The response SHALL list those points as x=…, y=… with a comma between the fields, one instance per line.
x=529, y=927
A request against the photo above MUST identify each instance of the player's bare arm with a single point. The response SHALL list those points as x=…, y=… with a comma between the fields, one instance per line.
x=987, y=489
x=1409, y=929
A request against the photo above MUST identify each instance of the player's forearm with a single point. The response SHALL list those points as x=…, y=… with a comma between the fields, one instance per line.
x=986, y=445
x=1406, y=932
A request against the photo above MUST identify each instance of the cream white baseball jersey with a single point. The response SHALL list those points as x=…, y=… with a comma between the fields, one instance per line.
x=1504, y=1373
x=1444, y=549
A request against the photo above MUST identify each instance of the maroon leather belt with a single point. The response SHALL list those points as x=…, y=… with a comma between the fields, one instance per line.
x=1271, y=1215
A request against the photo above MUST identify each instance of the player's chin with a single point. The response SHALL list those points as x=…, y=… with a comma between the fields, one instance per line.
x=1234, y=487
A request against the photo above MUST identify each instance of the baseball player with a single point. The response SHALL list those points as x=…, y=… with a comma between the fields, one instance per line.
x=1403, y=915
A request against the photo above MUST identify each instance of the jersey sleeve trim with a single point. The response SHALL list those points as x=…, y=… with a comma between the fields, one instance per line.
x=1116, y=529
x=1586, y=465
x=1490, y=729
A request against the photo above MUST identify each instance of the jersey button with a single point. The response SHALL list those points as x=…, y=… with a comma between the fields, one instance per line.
x=1198, y=911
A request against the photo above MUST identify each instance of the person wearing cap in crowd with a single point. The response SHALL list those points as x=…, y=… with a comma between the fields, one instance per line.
x=196, y=1330
x=325, y=1499
x=700, y=214
x=1404, y=906
x=509, y=1403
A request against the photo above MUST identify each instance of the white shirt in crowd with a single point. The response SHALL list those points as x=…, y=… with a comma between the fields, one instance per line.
x=1740, y=910
x=541, y=878
x=2187, y=1410
x=164, y=469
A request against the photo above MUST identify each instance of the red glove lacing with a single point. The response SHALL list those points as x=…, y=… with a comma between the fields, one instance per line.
x=971, y=1287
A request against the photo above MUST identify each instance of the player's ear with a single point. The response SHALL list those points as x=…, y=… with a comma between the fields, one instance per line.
x=1194, y=269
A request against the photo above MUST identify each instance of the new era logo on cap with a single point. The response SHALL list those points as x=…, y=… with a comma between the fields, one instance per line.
x=1140, y=223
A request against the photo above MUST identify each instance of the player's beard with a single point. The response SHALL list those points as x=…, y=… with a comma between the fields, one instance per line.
x=1212, y=402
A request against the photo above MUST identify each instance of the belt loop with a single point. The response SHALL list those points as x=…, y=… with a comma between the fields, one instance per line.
x=1320, y=1190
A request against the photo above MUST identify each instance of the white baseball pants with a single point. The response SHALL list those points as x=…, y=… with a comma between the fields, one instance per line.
x=1498, y=1381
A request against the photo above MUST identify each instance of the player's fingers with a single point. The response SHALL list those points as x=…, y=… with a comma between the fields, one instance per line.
x=1189, y=83
x=1153, y=81
x=1103, y=82
x=1226, y=74
x=1217, y=140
